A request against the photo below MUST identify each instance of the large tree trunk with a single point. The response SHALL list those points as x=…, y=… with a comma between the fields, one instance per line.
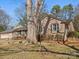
x=31, y=33
x=38, y=6
x=33, y=20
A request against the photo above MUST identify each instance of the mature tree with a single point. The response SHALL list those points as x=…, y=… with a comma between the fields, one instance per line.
x=31, y=33
x=4, y=19
x=65, y=13
x=67, y=16
x=68, y=12
x=56, y=10
x=32, y=13
x=33, y=19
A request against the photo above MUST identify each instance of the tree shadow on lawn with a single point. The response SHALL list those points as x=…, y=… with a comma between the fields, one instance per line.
x=72, y=47
x=44, y=49
x=4, y=51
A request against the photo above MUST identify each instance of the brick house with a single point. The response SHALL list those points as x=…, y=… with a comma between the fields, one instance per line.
x=54, y=25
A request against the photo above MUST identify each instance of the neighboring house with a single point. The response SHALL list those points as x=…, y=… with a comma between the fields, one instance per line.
x=6, y=34
x=53, y=26
x=17, y=32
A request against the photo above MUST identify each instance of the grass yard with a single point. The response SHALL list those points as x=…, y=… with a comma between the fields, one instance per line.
x=54, y=50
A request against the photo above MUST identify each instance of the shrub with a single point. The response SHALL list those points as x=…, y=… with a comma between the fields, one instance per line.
x=73, y=34
x=77, y=34
x=20, y=42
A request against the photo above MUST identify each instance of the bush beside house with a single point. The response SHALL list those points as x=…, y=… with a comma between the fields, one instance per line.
x=73, y=34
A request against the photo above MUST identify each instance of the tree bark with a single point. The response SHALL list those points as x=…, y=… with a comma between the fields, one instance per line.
x=31, y=27
x=65, y=33
x=33, y=20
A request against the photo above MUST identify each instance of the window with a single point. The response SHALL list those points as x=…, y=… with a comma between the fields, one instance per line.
x=55, y=27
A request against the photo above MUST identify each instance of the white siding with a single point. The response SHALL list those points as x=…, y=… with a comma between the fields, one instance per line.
x=6, y=36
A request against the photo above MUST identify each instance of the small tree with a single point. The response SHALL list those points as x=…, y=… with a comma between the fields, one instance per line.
x=4, y=19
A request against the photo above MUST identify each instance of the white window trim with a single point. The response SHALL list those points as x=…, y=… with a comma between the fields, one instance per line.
x=56, y=27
